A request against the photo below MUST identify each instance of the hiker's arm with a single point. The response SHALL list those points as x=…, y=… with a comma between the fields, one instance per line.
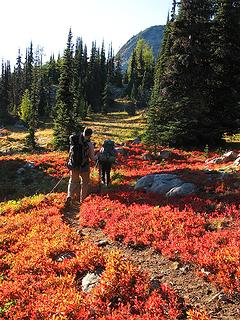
x=91, y=152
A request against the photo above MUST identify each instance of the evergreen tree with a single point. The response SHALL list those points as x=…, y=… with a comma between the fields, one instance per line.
x=51, y=74
x=118, y=77
x=226, y=66
x=64, y=121
x=140, y=72
x=153, y=136
x=94, y=96
x=78, y=81
x=5, y=93
x=103, y=69
x=17, y=84
x=132, y=73
x=181, y=98
x=107, y=98
x=110, y=65
x=28, y=67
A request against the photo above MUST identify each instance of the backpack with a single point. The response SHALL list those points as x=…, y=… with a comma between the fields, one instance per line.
x=107, y=154
x=78, y=152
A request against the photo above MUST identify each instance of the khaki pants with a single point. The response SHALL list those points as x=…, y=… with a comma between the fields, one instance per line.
x=78, y=185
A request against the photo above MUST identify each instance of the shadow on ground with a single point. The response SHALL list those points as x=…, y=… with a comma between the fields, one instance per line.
x=19, y=179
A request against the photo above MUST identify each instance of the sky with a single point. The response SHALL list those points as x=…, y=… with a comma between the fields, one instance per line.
x=47, y=22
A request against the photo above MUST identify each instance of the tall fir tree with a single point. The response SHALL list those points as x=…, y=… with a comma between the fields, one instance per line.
x=140, y=73
x=226, y=66
x=94, y=97
x=79, y=81
x=18, y=84
x=5, y=93
x=64, y=120
x=181, y=100
x=28, y=67
x=107, y=97
x=153, y=135
x=103, y=69
x=118, y=77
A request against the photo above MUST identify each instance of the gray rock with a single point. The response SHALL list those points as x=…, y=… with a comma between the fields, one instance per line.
x=164, y=185
x=29, y=165
x=165, y=154
x=20, y=170
x=184, y=189
x=64, y=255
x=91, y=280
x=145, y=182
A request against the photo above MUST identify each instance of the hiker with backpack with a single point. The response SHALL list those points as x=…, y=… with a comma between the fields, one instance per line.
x=106, y=157
x=80, y=153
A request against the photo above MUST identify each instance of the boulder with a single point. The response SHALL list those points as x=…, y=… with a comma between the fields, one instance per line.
x=165, y=154
x=90, y=280
x=145, y=182
x=166, y=183
x=182, y=190
x=147, y=156
x=162, y=184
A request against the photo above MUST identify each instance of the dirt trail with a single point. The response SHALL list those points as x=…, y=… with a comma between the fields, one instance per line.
x=197, y=293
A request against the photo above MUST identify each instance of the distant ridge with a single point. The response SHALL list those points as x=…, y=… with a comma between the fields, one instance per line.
x=152, y=35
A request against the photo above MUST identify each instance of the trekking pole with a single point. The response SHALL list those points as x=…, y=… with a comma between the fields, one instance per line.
x=99, y=178
x=56, y=185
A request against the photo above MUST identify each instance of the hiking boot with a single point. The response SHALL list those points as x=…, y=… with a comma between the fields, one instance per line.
x=68, y=203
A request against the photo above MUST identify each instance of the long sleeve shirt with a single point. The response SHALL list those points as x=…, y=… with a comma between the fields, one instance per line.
x=91, y=154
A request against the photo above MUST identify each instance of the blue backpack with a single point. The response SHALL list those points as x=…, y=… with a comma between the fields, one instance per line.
x=108, y=153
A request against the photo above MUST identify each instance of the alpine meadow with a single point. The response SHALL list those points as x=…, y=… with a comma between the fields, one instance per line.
x=158, y=239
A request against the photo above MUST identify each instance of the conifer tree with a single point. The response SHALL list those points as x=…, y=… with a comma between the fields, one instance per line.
x=78, y=80
x=94, y=97
x=153, y=135
x=110, y=64
x=103, y=69
x=226, y=66
x=28, y=67
x=5, y=93
x=107, y=97
x=140, y=72
x=181, y=98
x=64, y=120
x=51, y=74
x=17, y=84
x=118, y=77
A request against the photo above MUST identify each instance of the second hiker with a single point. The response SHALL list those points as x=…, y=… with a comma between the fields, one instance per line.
x=80, y=153
x=107, y=156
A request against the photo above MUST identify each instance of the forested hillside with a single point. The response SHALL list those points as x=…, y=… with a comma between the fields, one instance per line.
x=152, y=36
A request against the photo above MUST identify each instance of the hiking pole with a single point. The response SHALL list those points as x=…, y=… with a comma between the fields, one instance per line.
x=99, y=175
x=56, y=185
x=99, y=178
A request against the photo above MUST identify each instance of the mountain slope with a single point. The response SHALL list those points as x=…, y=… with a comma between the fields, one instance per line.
x=152, y=35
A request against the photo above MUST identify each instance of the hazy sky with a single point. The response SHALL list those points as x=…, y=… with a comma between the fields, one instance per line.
x=46, y=23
